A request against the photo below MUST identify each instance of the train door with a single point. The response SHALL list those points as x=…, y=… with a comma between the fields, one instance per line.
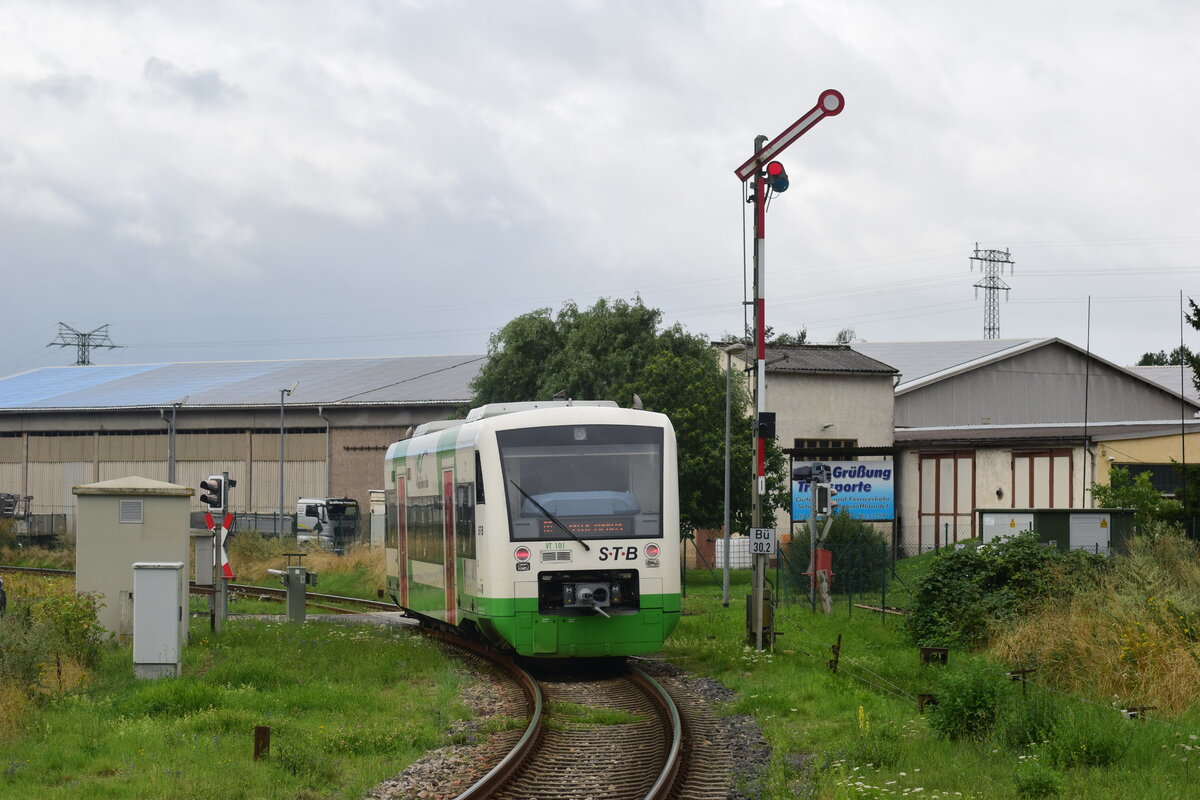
x=448, y=547
x=402, y=538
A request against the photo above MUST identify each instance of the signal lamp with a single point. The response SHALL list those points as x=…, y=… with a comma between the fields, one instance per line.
x=652, y=551
x=777, y=177
x=522, y=554
x=214, y=491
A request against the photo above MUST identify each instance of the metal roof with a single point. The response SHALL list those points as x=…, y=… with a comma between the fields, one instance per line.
x=929, y=361
x=410, y=380
x=1171, y=378
x=827, y=358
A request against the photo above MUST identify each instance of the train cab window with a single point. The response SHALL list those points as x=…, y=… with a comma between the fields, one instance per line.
x=598, y=481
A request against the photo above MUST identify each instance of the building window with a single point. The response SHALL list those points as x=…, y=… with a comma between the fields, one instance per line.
x=1042, y=479
x=831, y=445
x=1163, y=477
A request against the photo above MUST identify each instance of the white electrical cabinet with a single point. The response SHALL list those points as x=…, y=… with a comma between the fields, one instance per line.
x=158, y=619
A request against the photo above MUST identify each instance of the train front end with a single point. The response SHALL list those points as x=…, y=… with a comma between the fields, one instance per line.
x=583, y=551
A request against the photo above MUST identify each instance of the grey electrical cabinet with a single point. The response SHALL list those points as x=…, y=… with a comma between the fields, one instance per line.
x=158, y=619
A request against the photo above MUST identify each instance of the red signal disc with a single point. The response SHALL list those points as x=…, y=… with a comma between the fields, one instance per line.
x=774, y=169
x=652, y=551
x=522, y=554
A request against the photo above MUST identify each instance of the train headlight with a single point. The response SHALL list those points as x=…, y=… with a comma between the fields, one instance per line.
x=522, y=554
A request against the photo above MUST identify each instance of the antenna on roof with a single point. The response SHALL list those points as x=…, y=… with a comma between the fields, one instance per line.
x=992, y=266
x=83, y=343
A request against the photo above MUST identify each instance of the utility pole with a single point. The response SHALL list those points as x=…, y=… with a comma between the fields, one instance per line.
x=83, y=343
x=769, y=174
x=991, y=265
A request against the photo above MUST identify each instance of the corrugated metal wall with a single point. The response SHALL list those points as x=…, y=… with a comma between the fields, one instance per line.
x=1045, y=385
x=59, y=463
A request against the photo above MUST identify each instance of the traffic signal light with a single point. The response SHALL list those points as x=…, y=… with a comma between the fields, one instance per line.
x=825, y=501
x=213, y=492
x=777, y=177
x=766, y=425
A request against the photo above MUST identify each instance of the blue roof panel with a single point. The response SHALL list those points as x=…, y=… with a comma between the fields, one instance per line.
x=405, y=380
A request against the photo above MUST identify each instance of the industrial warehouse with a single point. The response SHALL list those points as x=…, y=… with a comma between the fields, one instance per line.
x=62, y=427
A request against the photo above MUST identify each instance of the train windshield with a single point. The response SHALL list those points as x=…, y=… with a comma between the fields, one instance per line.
x=599, y=481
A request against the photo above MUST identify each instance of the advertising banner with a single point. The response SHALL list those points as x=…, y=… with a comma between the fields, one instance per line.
x=865, y=490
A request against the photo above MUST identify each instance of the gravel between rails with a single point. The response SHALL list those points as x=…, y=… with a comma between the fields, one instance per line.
x=444, y=773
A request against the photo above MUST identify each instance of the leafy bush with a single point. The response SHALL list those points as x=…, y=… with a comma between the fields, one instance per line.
x=1035, y=781
x=968, y=592
x=1136, y=492
x=968, y=703
x=24, y=647
x=73, y=625
x=860, y=555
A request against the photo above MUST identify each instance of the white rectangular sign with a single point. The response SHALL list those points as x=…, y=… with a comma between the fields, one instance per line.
x=762, y=541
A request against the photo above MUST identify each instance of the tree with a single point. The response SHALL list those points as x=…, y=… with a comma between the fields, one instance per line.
x=1193, y=360
x=1127, y=491
x=1180, y=355
x=616, y=349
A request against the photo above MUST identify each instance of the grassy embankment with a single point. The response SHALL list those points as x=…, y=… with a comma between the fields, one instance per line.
x=357, y=705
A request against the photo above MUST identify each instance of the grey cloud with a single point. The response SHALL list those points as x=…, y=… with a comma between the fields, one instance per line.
x=70, y=90
x=204, y=87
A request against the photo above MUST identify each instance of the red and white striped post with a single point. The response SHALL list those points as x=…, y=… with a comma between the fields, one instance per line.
x=829, y=104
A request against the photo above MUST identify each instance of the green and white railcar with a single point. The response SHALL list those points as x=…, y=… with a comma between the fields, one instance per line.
x=550, y=528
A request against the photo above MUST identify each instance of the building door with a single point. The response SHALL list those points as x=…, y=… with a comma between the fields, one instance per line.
x=947, y=509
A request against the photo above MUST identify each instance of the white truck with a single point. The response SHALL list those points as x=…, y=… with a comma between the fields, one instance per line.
x=330, y=523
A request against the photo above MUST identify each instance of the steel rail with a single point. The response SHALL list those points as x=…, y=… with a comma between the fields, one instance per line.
x=498, y=775
x=665, y=783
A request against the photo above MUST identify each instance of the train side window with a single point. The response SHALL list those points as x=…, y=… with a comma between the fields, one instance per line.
x=391, y=528
x=478, y=479
x=464, y=519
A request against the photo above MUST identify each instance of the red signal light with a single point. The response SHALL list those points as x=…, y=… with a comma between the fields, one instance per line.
x=522, y=554
x=652, y=551
x=777, y=177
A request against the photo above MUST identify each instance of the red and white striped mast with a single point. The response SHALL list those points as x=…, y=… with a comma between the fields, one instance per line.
x=761, y=166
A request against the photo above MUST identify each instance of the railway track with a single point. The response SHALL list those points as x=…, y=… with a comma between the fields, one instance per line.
x=614, y=734
x=315, y=600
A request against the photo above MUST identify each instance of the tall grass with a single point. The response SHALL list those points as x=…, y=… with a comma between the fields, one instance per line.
x=360, y=572
x=347, y=707
x=1133, y=640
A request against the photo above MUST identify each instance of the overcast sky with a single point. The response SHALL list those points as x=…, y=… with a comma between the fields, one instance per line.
x=233, y=181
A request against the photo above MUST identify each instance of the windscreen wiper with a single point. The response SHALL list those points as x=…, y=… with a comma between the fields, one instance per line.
x=550, y=516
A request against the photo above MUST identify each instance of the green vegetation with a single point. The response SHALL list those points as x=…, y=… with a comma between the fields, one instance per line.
x=614, y=350
x=1136, y=492
x=858, y=732
x=970, y=591
x=349, y=705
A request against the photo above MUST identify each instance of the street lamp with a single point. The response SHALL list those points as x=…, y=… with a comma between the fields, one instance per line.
x=730, y=351
x=282, y=394
x=171, y=440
